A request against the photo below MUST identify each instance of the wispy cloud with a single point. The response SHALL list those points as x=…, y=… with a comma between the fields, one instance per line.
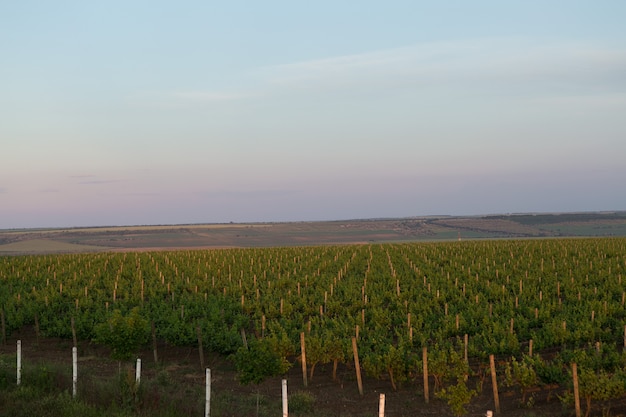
x=491, y=60
x=88, y=182
x=186, y=98
x=270, y=193
x=521, y=63
x=207, y=96
x=597, y=100
x=142, y=194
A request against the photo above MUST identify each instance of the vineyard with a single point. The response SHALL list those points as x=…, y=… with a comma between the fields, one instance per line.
x=538, y=306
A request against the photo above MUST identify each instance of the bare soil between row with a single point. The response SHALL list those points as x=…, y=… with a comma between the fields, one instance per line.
x=332, y=397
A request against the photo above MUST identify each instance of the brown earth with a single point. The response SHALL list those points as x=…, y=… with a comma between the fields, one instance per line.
x=181, y=367
x=201, y=236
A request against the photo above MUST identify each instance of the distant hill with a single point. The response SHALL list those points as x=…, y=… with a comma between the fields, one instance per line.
x=161, y=237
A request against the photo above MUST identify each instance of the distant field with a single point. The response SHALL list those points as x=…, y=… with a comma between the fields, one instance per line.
x=46, y=246
x=37, y=241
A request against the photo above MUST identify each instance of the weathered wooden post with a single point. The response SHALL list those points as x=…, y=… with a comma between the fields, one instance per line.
x=357, y=366
x=285, y=403
x=207, y=400
x=303, y=350
x=494, y=383
x=74, y=370
x=19, y=362
x=425, y=367
x=576, y=392
x=138, y=372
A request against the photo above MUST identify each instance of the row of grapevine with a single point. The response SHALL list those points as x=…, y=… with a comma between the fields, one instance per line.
x=394, y=298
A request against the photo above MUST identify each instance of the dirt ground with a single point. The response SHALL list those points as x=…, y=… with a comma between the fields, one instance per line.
x=332, y=398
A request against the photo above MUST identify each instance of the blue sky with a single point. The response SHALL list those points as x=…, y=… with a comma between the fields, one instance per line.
x=153, y=112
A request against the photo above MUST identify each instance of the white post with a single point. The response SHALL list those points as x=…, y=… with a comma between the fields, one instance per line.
x=19, y=362
x=138, y=372
x=489, y=413
x=74, y=370
x=381, y=406
x=207, y=404
x=285, y=405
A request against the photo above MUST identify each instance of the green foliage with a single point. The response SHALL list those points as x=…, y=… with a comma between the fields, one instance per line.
x=550, y=372
x=40, y=376
x=124, y=335
x=28, y=401
x=279, y=342
x=323, y=350
x=129, y=391
x=608, y=358
x=301, y=402
x=446, y=365
x=521, y=373
x=7, y=371
x=258, y=362
x=457, y=396
x=396, y=361
x=503, y=292
x=600, y=386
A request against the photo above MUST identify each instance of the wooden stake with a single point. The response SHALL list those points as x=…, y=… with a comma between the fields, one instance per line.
x=357, y=366
x=381, y=405
x=74, y=370
x=494, y=383
x=576, y=393
x=302, y=348
x=138, y=372
x=263, y=326
x=19, y=362
x=530, y=347
x=243, y=337
x=207, y=394
x=284, y=396
x=425, y=367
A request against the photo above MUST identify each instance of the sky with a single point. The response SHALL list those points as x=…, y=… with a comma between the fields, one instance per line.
x=175, y=112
